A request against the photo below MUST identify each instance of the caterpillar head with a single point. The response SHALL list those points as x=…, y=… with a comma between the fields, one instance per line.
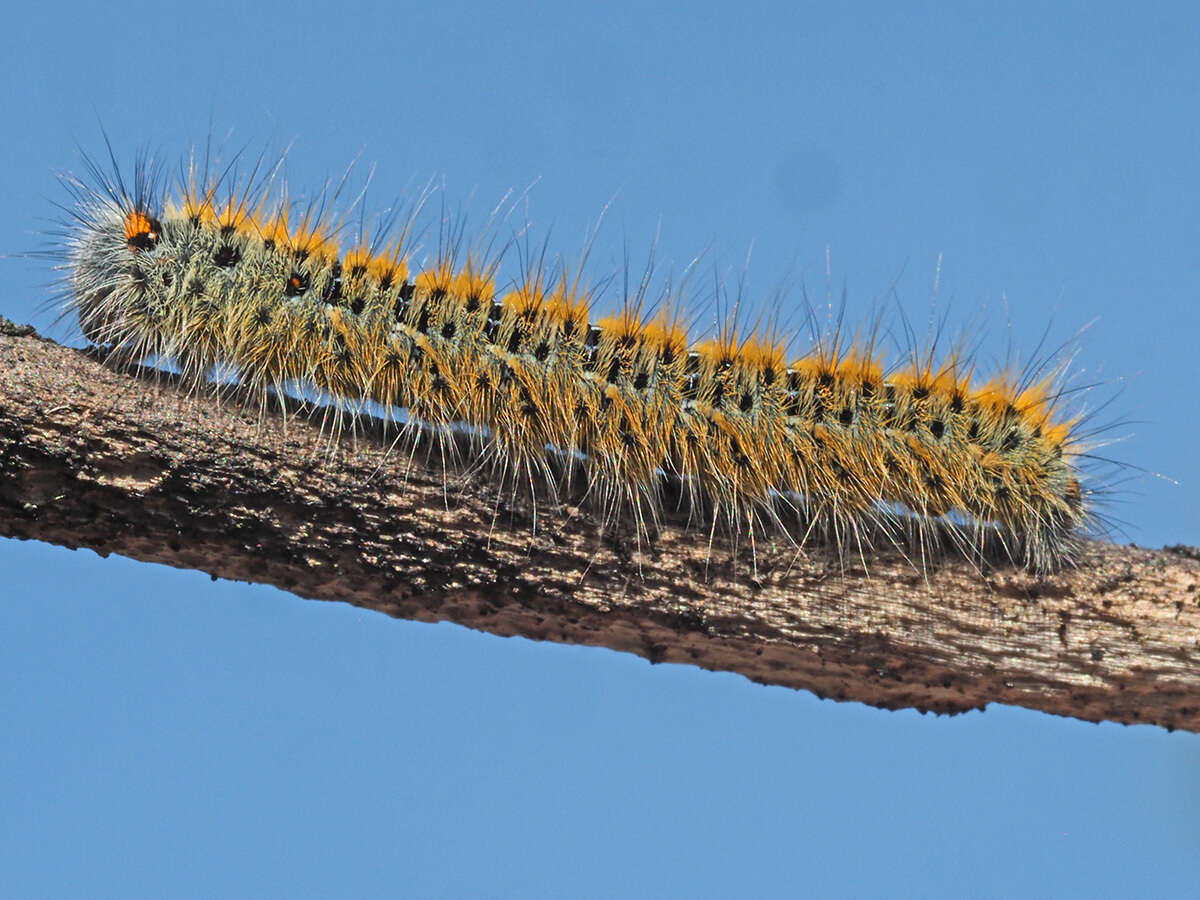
x=113, y=261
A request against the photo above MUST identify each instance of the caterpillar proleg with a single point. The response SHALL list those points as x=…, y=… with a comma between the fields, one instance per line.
x=830, y=445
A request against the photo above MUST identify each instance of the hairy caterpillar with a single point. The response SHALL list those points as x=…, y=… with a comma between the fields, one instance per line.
x=827, y=445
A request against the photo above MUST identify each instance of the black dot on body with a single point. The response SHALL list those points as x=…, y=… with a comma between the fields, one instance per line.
x=614, y=371
x=735, y=450
x=541, y=352
x=448, y=329
x=297, y=284
x=937, y=428
x=640, y=382
x=846, y=417
x=746, y=403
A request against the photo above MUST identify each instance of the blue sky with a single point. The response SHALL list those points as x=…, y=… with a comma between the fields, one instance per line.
x=167, y=735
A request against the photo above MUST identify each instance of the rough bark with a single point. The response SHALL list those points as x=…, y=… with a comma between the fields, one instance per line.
x=134, y=465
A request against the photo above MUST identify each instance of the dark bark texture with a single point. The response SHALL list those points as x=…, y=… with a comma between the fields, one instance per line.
x=135, y=465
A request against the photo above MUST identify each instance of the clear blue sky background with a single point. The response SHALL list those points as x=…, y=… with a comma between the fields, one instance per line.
x=167, y=736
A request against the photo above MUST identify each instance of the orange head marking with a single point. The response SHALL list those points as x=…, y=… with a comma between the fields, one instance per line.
x=141, y=231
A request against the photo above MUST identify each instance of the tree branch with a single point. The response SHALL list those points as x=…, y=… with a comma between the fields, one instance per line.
x=129, y=465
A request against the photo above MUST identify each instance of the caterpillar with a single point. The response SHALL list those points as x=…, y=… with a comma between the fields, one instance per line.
x=215, y=273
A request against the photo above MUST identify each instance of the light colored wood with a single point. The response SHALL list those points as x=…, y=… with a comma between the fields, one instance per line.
x=133, y=465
